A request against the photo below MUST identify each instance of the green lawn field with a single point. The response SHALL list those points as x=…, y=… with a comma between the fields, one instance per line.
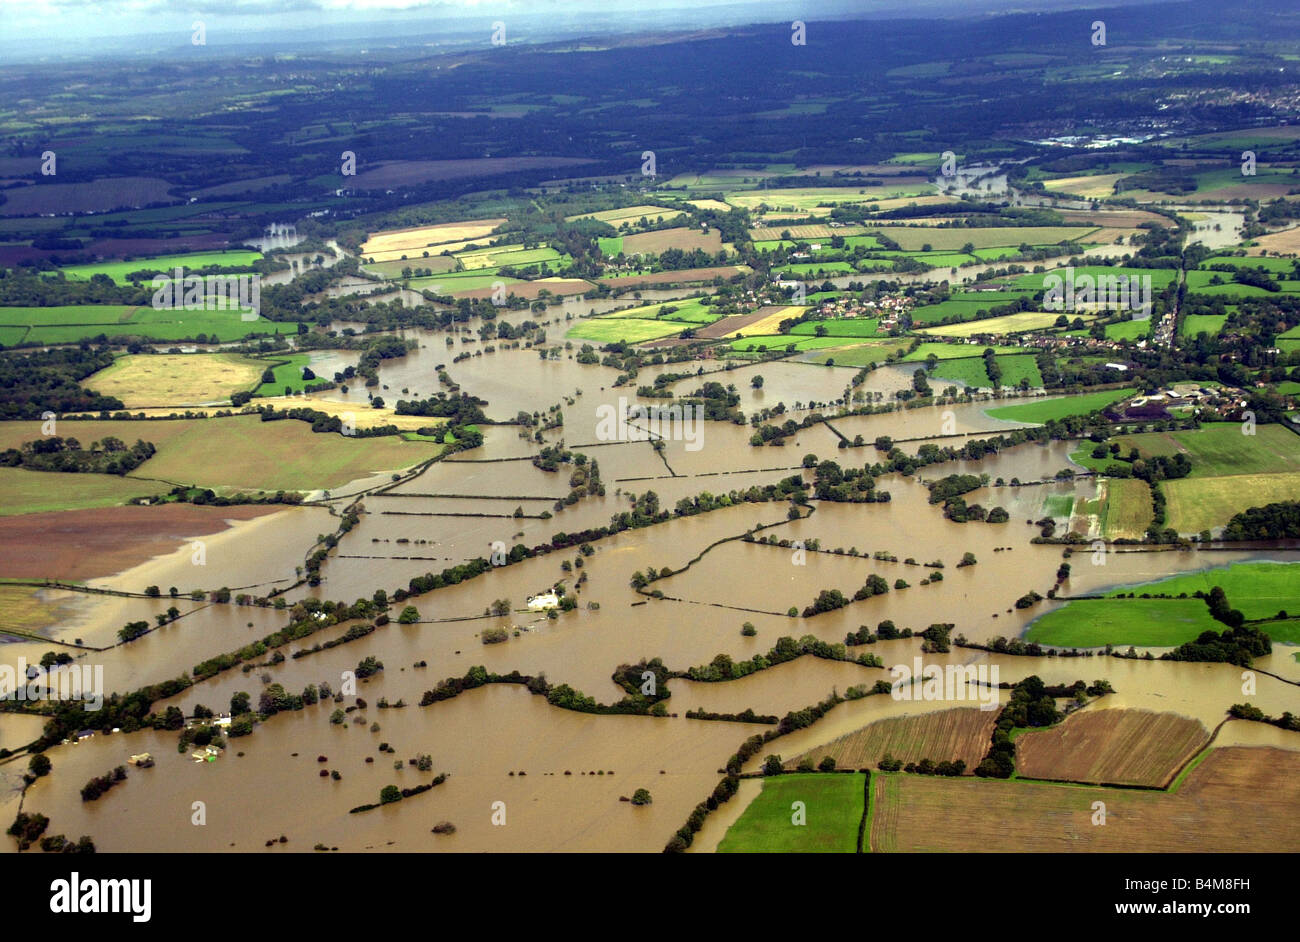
x=832, y=803
x=1092, y=623
x=1259, y=590
x=1058, y=408
x=165, y=263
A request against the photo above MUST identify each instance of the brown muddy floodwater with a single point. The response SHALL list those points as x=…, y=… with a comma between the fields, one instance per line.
x=463, y=508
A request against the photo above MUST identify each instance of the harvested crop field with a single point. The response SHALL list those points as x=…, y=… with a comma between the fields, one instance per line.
x=729, y=325
x=76, y=545
x=237, y=451
x=176, y=379
x=1286, y=242
x=629, y=214
x=683, y=276
x=1239, y=800
x=680, y=238
x=804, y=232
x=404, y=240
x=1112, y=747
x=772, y=317
x=942, y=736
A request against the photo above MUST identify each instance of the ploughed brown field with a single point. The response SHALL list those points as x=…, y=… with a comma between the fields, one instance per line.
x=1240, y=799
x=1112, y=747
x=74, y=545
x=731, y=323
x=944, y=736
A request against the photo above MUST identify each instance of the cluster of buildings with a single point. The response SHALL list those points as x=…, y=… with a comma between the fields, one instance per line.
x=888, y=309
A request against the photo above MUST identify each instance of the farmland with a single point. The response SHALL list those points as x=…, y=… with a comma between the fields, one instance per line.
x=970, y=371
x=625, y=329
x=1126, y=513
x=235, y=452
x=72, y=323
x=119, y=271
x=941, y=736
x=28, y=492
x=1259, y=590
x=1240, y=798
x=1048, y=409
x=1111, y=747
x=1007, y=324
x=1092, y=623
x=181, y=380
x=834, y=805
x=1230, y=471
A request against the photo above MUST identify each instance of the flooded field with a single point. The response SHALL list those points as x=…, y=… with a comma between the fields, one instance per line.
x=477, y=505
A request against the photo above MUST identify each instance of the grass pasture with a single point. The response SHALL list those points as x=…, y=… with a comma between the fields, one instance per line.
x=1111, y=747
x=29, y=492
x=118, y=271
x=941, y=736
x=834, y=804
x=1059, y=408
x=1259, y=590
x=1194, y=324
x=970, y=371
x=602, y=330
x=72, y=323
x=1093, y=623
x=1196, y=504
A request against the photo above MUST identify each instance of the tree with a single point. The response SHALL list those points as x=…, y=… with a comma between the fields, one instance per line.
x=641, y=797
x=772, y=765
x=410, y=615
x=757, y=382
x=390, y=794
x=39, y=765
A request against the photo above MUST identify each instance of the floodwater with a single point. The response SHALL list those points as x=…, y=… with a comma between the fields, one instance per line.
x=464, y=508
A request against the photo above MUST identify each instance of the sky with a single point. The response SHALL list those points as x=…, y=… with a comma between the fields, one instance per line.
x=78, y=27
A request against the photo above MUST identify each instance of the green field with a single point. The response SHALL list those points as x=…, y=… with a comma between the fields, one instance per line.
x=782, y=342
x=29, y=492
x=288, y=373
x=1220, y=448
x=165, y=263
x=1160, y=277
x=689, y=310
x=1194, y=324
x=1092, y=623
x=971, y=372
x=955, y=351
x=1041, y=412
x=626, y=329
x=840, y=327
x=1259, y=590
x=833, y=805
x=240, y=452
x=72, y=323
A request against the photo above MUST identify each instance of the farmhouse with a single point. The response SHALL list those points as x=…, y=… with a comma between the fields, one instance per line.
x=544, y=601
